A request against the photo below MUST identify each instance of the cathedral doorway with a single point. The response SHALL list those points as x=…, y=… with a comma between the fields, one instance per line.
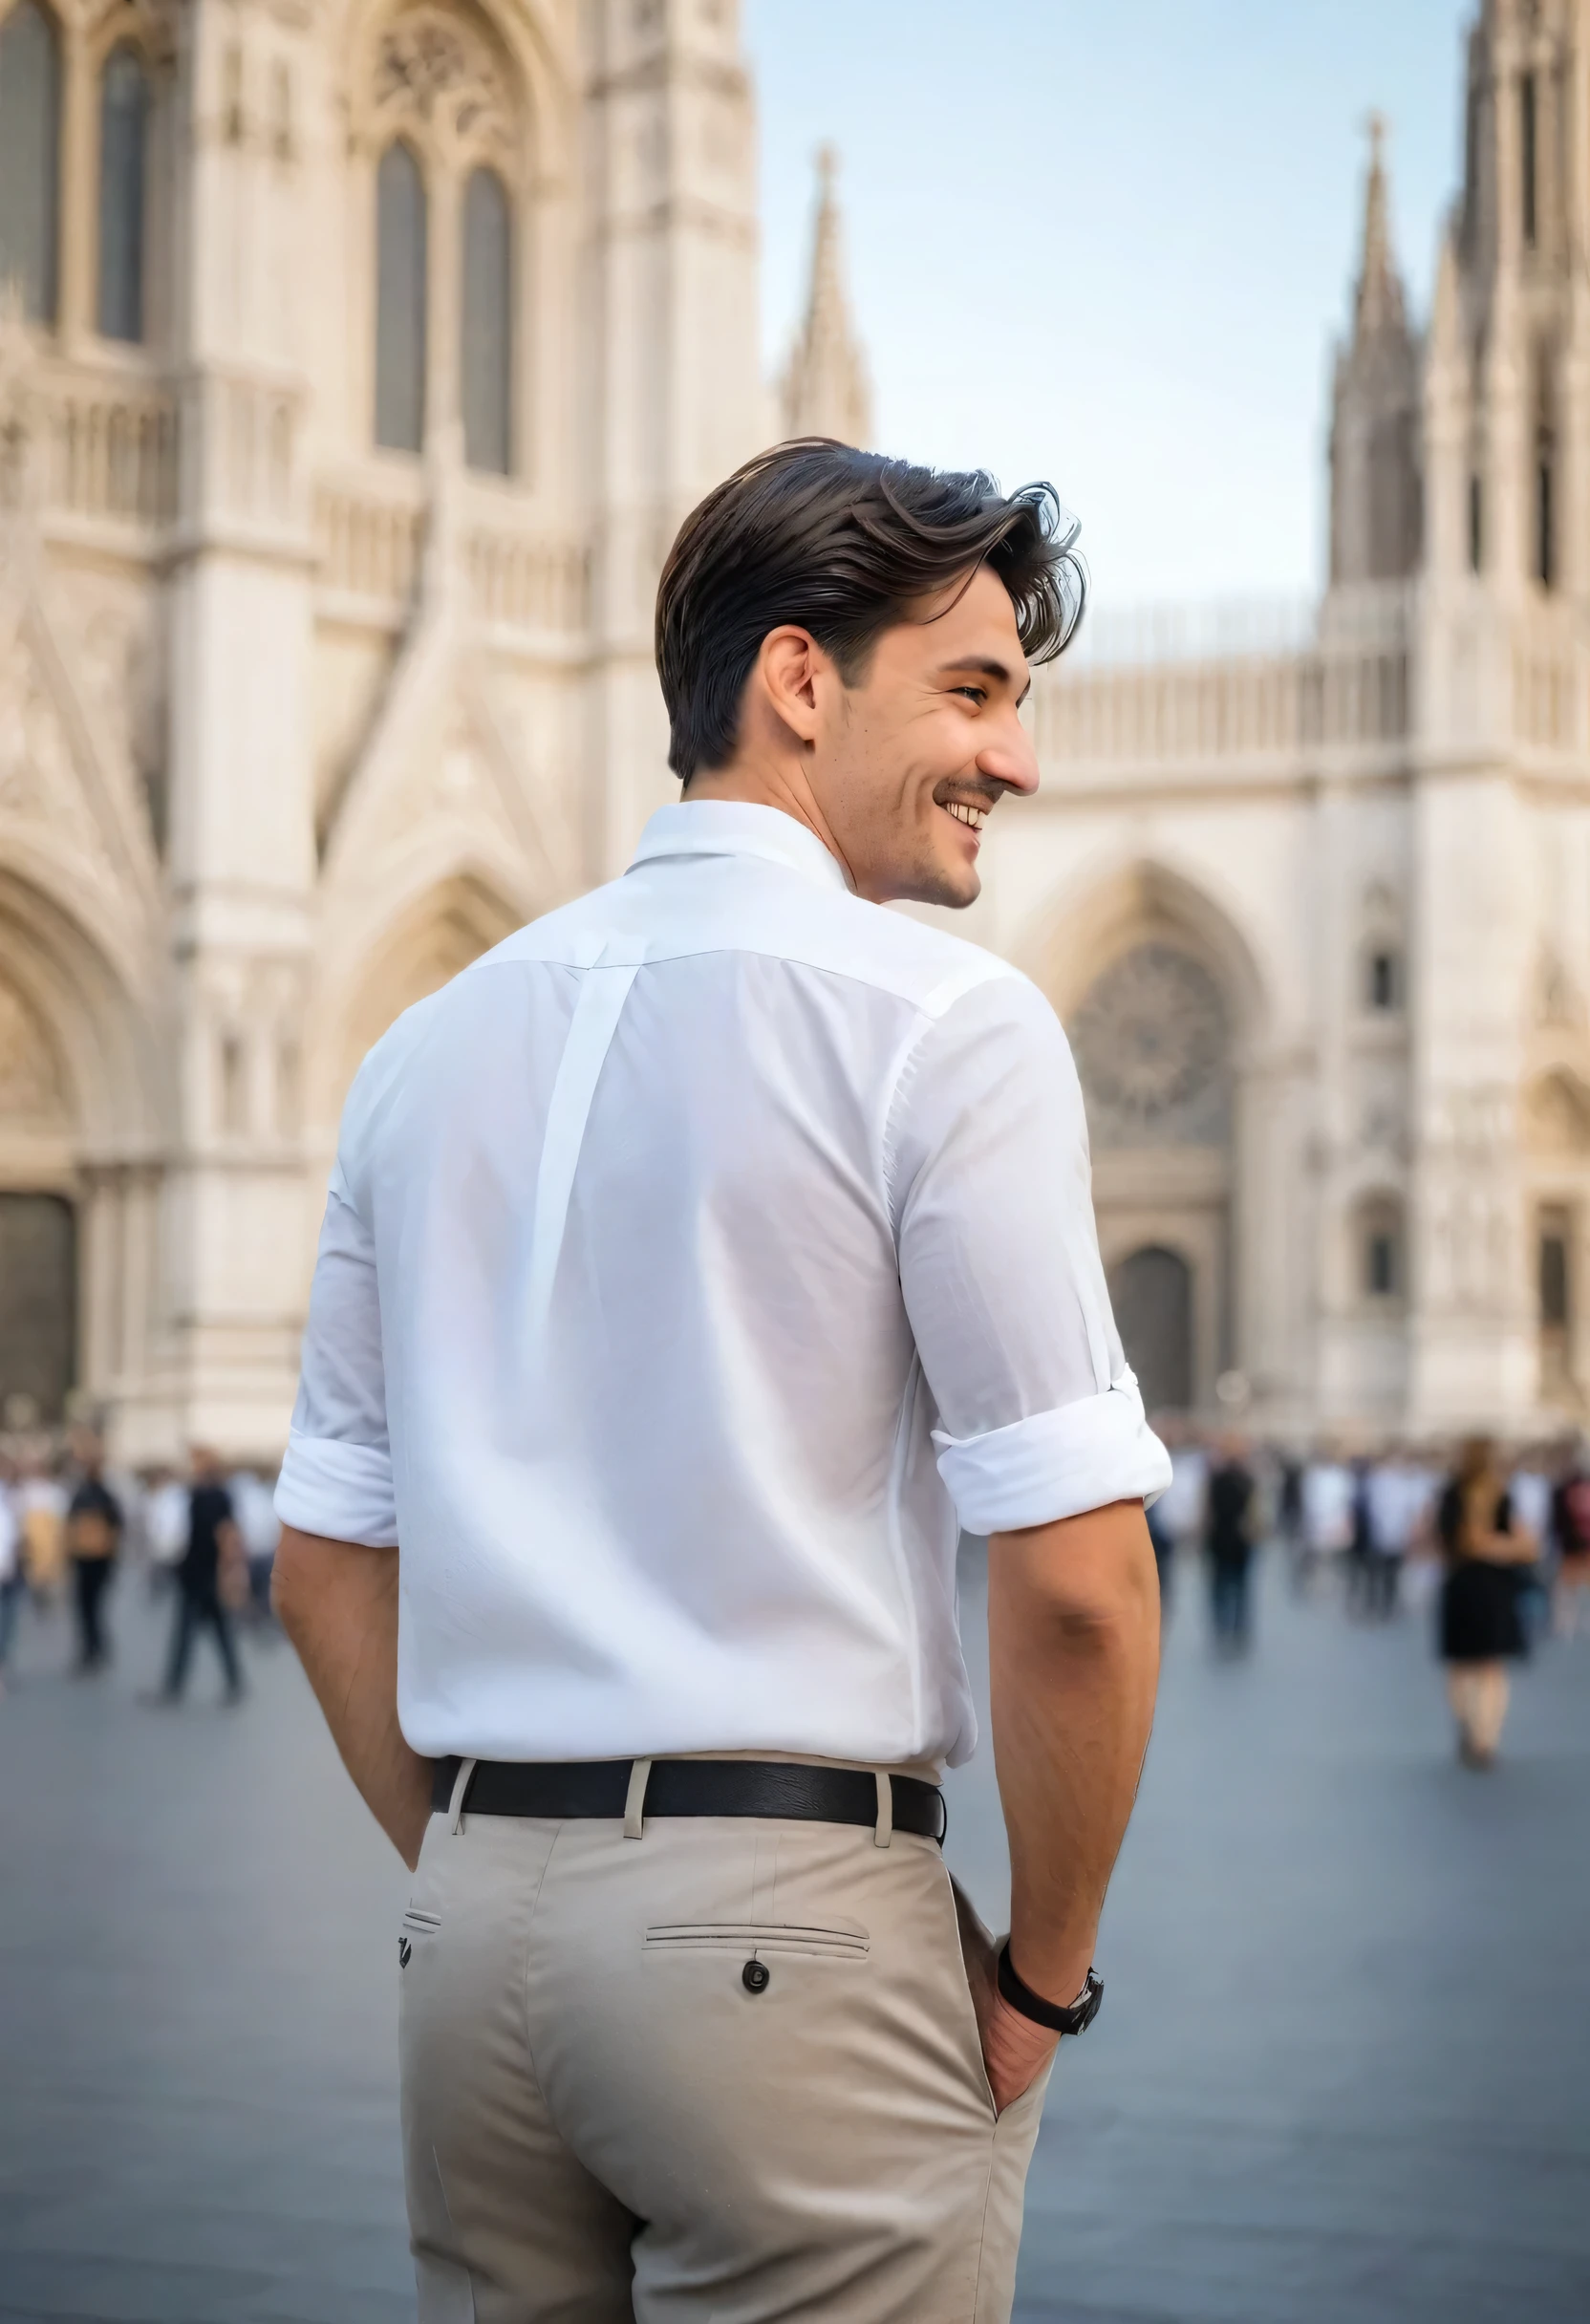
x=1151, y=1292
x=38, y=1307
x=1152, y=1036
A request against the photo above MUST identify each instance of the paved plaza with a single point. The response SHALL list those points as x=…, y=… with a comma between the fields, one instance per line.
x=1343, y=2074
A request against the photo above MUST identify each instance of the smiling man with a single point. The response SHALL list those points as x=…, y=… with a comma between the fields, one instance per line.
x=693, y=1263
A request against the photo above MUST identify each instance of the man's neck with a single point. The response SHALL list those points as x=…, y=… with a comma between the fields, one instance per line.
x=767, y=782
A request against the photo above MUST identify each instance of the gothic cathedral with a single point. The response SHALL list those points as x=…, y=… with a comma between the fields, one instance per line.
x=358, y=360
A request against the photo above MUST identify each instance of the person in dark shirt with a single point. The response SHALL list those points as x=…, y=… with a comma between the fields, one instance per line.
x=1228, y=1544
x=93, y=1538
x=213, y=1546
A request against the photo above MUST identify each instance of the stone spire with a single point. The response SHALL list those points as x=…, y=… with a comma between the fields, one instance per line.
x=825, y=390
x=1380, y=305
x=1375, y=450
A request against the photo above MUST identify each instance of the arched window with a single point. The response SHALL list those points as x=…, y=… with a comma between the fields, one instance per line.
x=123, y=145
x=1380, y=1248
x=400, y=265
x=1382, y=979
x=486, y=365
x=29, y=155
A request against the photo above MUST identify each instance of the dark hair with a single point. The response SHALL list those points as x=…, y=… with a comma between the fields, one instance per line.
x=844, y=544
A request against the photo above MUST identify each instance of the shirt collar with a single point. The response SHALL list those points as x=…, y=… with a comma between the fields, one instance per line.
x=734, y=827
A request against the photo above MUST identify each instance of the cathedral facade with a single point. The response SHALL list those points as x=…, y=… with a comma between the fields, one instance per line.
x=359, y=359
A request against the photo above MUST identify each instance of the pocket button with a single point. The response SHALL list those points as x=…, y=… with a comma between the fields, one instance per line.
x=756, y=1976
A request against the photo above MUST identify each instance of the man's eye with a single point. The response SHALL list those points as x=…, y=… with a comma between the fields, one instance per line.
x=972, y=694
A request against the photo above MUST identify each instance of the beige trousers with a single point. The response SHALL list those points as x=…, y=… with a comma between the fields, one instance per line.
x=606, y=2119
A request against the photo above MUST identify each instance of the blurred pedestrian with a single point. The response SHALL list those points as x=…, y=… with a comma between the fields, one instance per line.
x=1487, y=1553
x=13, y=1581
x=1289, y=1513
x=1571, y=1532
x=259, y=1528
x=1180, y=1508
x=1531, y=1487
x=94, y=1524
x=166, y=1524
x=41, y=1504
x=1161, y=1539
x=213, y=1554
x=1360, y=1585
x=1396, y=1506
x=1230, y=1526
x=1327, y=1514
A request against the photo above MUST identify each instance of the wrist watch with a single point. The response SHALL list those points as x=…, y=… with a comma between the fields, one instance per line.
x=1027, y=2004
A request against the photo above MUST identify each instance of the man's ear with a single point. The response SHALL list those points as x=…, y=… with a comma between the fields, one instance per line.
x=787, y=671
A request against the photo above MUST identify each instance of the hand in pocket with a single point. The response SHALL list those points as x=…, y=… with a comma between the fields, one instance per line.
x=1015, y=2051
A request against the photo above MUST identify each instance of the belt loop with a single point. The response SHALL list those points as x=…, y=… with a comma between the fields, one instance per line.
x=883, y=1831
x=635, y=1800
x=461, y=1792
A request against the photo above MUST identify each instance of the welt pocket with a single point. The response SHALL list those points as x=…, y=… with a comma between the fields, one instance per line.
x=415, y=1918
x=757, y=1937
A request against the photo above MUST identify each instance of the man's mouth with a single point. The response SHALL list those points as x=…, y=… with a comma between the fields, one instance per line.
x=964, y=811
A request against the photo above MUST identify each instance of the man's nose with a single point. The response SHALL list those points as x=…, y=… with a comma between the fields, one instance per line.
x=1009, y=756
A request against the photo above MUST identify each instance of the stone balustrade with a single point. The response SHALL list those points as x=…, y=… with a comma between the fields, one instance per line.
x=527, y=583
x=369, y=545
x=105, y=447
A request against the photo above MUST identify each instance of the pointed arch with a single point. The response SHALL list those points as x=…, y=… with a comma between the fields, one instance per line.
x=1106, y=911
x=429, y=936
x=93, y=1032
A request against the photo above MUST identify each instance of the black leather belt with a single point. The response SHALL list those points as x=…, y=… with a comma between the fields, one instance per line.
x=564, y=1789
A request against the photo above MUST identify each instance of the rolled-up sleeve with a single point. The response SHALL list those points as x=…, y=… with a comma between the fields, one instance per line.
x=1040, y=1413
x=336, y=1478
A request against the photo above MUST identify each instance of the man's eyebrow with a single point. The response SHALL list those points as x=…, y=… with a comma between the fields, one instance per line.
x=985, y=668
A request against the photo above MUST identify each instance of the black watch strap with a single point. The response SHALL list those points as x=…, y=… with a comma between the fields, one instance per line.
x=1022, y=1998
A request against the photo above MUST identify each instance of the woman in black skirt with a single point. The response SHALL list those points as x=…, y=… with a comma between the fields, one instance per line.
x=1481, y=1627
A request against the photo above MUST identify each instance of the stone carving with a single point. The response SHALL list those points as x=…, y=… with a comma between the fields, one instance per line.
x=435, y=67
x=152, y=23
x=1558, y=1006
x=1151, y=1041
x=38, y=781
x=32, y=1089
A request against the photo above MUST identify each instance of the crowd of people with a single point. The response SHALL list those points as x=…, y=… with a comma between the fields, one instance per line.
x=69, y=1526
x=1498, y=1545
x=1499, y=1542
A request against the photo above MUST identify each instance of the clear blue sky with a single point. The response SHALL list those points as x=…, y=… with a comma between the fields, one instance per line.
x=1110, y=243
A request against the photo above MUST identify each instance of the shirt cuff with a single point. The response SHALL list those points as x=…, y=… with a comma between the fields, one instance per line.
x=1081, y=1456
x=340, y=1490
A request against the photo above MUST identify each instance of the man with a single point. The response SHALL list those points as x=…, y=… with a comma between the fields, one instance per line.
x=690, y=1264
x=214, y=1550
x=1229, y=1542
x=93, y=1526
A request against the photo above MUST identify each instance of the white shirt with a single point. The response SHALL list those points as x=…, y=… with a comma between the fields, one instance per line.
x=169, y=1520
x=692, y=1261
x=1327, y=1505
x=255, y=1514
x=1182, y=1508
x=1396, y=1495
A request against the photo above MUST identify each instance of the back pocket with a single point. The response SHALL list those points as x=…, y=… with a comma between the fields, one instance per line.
x=759, y=1937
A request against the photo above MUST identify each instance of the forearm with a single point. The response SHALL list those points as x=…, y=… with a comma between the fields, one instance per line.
x=337, y=1602
x=1074, y=1653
